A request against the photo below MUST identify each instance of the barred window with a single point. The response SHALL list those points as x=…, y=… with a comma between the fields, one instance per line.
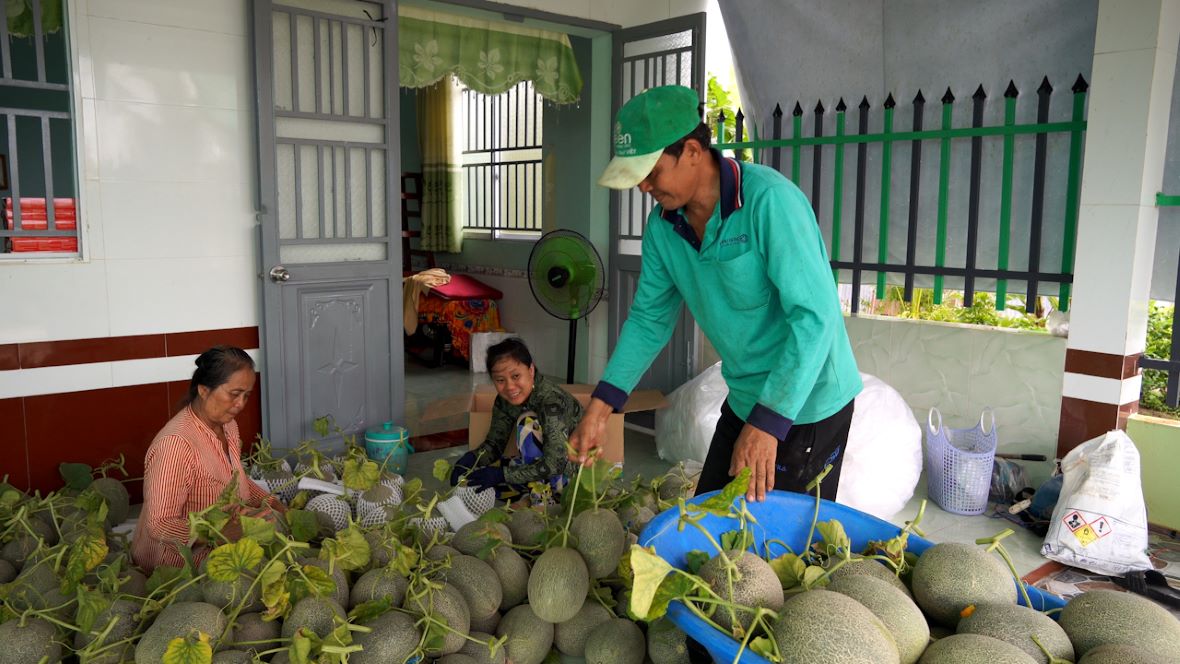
x=38, y=187
x=502, y=161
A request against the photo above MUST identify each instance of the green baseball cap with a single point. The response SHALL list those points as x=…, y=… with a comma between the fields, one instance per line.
x=649, y=122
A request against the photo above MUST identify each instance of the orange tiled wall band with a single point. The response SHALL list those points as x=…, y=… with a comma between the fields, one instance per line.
x=37, y=433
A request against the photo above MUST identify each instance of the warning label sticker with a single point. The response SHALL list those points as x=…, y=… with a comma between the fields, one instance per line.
x=1101, y=527
x=1073, y=520
x=1086, y=535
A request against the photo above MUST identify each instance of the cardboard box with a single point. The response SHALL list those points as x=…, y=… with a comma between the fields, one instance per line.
x=480, y=416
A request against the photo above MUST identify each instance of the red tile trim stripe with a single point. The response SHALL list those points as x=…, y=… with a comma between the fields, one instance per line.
x=9, y=357
x=37, y=354
x=1103, y=365
x=1082, y=420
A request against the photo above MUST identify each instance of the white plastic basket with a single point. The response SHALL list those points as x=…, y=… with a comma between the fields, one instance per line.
x=959, y=463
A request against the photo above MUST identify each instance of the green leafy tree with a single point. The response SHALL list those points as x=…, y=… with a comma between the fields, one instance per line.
x=1159, y=345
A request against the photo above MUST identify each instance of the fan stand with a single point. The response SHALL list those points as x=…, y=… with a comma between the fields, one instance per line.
x=569, y=364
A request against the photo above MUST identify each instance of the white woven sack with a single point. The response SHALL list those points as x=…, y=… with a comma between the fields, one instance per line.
x=883, y=459
x=1100, y=522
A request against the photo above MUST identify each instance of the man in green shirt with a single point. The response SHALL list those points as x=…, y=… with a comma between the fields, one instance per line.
x=739, y=244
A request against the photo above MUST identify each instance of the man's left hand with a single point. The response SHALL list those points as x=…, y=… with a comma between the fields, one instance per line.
x=756, y=450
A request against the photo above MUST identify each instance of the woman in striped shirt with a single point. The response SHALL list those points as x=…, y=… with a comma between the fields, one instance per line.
x=194, y=457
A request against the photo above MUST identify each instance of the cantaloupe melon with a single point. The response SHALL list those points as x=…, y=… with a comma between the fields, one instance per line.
x=513, y=573
x=666, y=643
x=617, y=641
x=527, y=527
x=600, y=538
x=973, y=649
x=473, y=537
x=392, y=637
x=872, y=568
x=950, y=576
x=751, y=582
x=29, y=644
x=178, y=620
x=477, y=582
x=529, y=637
x=1099, y=617
x=338, y=575
x=445, y=604
x=900, y=615
x=115, y=494
x=252, y=633
x=477, y=649
x=1016, y=624
x=316, y=614
x=824, y=626
x=557, y=584
x=124, y=613
x=378, y=583
x=232, y=657
x=570, y=636
x=1119, y=653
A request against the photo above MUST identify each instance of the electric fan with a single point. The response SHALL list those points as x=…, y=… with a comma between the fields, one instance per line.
x=565, y=275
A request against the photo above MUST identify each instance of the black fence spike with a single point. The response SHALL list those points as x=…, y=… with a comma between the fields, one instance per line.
x=739, y=116
x=798, y=110
x=948, y=97
x=1080, y=85
x=841, y=106
x=1046, y=87
x=721, y=116
x=889, y=103
x=919, y=99
x=1011, y=90
x=979, y=93
x=864, y=102
x=778, y=111
x=819, y=108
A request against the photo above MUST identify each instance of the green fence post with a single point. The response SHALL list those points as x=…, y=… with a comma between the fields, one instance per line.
x=797, y=146
x=838, y=188
x=1010, y=95
x=886, y=177
x=1072, y=188
x=944, y=176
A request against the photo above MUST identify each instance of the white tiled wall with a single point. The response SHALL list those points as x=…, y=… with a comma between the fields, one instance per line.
x=167, y=177
x=962, y=369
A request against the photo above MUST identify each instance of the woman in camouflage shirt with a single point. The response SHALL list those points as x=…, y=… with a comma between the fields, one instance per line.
x=531, y=410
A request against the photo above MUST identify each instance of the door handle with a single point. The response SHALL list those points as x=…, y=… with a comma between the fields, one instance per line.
x=279, y=274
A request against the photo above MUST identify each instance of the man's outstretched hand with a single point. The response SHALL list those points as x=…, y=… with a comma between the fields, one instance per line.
x=591, y=431
x=755, y=449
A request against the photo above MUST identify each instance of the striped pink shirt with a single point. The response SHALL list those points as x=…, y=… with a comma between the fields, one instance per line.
x=186, y=469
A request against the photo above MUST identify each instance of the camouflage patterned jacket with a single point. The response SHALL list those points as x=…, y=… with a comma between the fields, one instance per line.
x=559, y=413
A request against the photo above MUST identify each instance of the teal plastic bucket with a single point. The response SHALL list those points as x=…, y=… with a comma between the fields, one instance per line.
x=389, y=445
x=785, y=517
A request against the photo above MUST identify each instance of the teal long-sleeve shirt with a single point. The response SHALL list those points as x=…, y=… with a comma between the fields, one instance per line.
x=760, y=286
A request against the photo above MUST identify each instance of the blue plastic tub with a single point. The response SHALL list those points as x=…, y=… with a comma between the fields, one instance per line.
x=784, y=516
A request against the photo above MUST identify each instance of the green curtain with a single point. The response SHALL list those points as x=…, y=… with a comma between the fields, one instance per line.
x=487, y=56
x=442, y=171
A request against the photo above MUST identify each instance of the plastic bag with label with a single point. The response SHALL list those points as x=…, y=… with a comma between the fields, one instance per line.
x=1100, y=521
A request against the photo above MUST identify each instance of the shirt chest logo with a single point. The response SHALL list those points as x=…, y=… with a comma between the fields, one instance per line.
x=737, y=239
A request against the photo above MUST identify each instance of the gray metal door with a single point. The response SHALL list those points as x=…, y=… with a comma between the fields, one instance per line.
x=670, y=52
x=326, y=78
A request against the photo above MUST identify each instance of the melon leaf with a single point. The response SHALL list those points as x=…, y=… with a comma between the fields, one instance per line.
x=85, y=554
x=694, y=559
x=789, y=569
x=721, y=503
x=737, y=540
x=228, y=562
x=303, y=524
x=366, y=611
x=91, y=603
x=764, y=647
x=441, y=470
x=301, y=646
x=259, y=530
x=275, y=595
x=360, y=474
x=311, y=580
x=833, y=533
x=349, y=549
x=77, y=475
x=676, y=586
x=191, y=649
x=649, y=570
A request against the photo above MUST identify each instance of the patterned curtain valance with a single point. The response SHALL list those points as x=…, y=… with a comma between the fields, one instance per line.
x=487, y=56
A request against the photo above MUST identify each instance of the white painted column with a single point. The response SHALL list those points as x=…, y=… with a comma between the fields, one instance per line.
x=1127, y=132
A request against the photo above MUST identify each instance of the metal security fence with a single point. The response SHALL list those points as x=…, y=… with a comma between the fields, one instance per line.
x=38, y=212
x=502, y=136
x=831, y=138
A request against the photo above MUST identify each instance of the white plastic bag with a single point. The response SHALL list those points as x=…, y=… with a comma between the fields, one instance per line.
x=1100, y=522
x=684, y=428
x=883, y=460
